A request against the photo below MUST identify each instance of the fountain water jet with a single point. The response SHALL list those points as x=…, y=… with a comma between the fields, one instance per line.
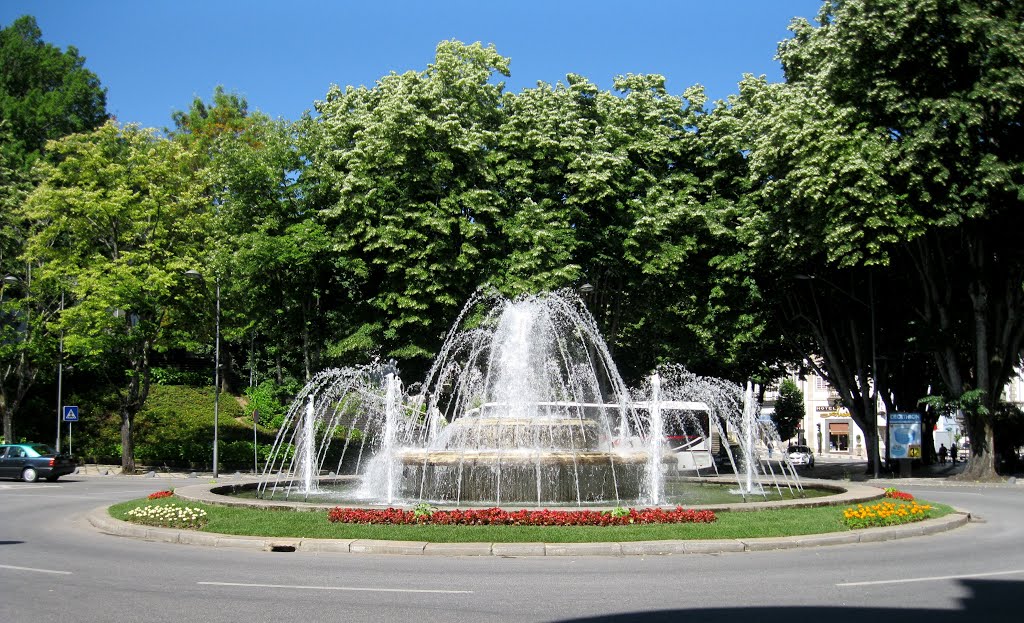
x=523, y=405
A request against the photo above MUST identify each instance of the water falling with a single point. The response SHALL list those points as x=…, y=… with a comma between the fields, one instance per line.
x=523, y=405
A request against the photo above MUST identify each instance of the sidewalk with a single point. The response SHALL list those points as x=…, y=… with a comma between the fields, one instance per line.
x=92, y=470
x=855, y=469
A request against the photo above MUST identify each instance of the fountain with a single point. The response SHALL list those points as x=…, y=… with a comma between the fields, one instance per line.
x=523, y=405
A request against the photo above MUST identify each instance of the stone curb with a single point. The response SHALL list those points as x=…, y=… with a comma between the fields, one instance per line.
x=102, y=521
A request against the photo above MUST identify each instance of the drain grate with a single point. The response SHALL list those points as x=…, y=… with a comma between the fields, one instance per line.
x=282, y=547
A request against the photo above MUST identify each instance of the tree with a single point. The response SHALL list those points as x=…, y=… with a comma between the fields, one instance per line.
x=118, y=218
x=272, y=256
x=402, y=178
x=44, y=93
x=22, y=345
x=789, y=409
x=896, y=140
x=957, y=133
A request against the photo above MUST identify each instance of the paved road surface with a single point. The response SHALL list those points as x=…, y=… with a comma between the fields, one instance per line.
x=55, y=567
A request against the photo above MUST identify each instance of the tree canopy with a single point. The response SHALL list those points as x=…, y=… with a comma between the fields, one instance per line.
x=45, y=93
x=775, y=230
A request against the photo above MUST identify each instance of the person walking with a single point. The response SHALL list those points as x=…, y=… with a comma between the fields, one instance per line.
x=952, y=452
x=942, y=454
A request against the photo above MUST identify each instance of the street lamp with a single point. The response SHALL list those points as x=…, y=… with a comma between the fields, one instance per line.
x=60, y=378
x=194, y=274
x=874, y=357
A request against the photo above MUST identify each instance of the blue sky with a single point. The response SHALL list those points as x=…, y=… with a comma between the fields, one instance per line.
x=155, y=56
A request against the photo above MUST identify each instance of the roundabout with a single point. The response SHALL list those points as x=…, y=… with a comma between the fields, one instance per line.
x=847, y=493
x=55, y=559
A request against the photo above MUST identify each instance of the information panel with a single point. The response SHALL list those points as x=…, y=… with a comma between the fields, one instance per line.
x=905, y=435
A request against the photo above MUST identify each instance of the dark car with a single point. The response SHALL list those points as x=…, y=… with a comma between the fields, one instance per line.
x=32, y=461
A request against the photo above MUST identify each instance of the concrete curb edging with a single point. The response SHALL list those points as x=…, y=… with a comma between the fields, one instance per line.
x=100, y=519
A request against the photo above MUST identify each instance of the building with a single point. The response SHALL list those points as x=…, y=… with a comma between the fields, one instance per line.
x=827, y=427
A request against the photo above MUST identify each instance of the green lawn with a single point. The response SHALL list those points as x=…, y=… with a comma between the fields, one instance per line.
x=729, y=525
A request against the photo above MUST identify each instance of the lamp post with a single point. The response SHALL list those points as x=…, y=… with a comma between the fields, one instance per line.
x=194, y=274
x=60, y=378
x=870, y=305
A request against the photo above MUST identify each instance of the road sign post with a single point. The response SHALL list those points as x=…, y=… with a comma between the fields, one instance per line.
x=70, y=415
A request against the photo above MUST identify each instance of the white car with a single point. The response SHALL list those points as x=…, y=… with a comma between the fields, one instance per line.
x=801, y=455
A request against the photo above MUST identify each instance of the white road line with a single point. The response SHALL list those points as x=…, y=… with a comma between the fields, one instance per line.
x=34, y=570
x=26, y=488
x=337, y=588
x=934, y=578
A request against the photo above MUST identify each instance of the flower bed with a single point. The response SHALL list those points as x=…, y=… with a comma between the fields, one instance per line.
x=169, y=516
x=896, y=494
x=497, y=516
x=160, y=494
x=885, y=514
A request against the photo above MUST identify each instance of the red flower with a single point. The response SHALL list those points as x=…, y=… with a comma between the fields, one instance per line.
x=497, y=516
x=898, y=495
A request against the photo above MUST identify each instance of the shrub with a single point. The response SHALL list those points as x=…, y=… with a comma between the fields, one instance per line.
x=174, y=376
x=271, y=400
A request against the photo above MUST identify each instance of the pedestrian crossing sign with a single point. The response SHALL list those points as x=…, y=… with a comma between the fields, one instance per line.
x=70, y=413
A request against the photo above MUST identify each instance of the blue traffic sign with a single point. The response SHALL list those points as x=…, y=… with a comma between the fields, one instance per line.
x=70, y=413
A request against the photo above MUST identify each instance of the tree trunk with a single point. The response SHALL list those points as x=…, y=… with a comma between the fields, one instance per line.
x=10, y=405
x=8, y=417
x=127, y=441
x=981, y=460
x=131, y=403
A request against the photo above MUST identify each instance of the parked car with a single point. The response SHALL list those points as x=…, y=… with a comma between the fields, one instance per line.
x=32, y=461
x=801, y=455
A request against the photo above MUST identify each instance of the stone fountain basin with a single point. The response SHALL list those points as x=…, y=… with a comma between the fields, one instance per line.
x=523, y=476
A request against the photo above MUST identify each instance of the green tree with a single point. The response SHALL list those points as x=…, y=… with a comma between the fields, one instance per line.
x=402, y=178
x=695, y=297
x=789, y=409
x=924, y=100
x=44, y=93
x=117, y=220
x=23, y=347
x=267, y=248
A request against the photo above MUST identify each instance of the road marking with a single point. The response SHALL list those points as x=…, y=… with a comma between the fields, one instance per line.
x=934, y=578
x=338, y=588
x=34, y=570
x=24, y=488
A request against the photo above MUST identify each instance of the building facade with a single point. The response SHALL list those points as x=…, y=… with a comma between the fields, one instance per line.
x=827, y=427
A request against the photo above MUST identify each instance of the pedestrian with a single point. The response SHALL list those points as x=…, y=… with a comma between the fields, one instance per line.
x=942, y=454
x=952, y=452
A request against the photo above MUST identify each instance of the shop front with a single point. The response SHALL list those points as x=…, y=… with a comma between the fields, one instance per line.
x=839, y=436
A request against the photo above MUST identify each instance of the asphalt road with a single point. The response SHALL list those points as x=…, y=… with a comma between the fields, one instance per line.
x=55, y=567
